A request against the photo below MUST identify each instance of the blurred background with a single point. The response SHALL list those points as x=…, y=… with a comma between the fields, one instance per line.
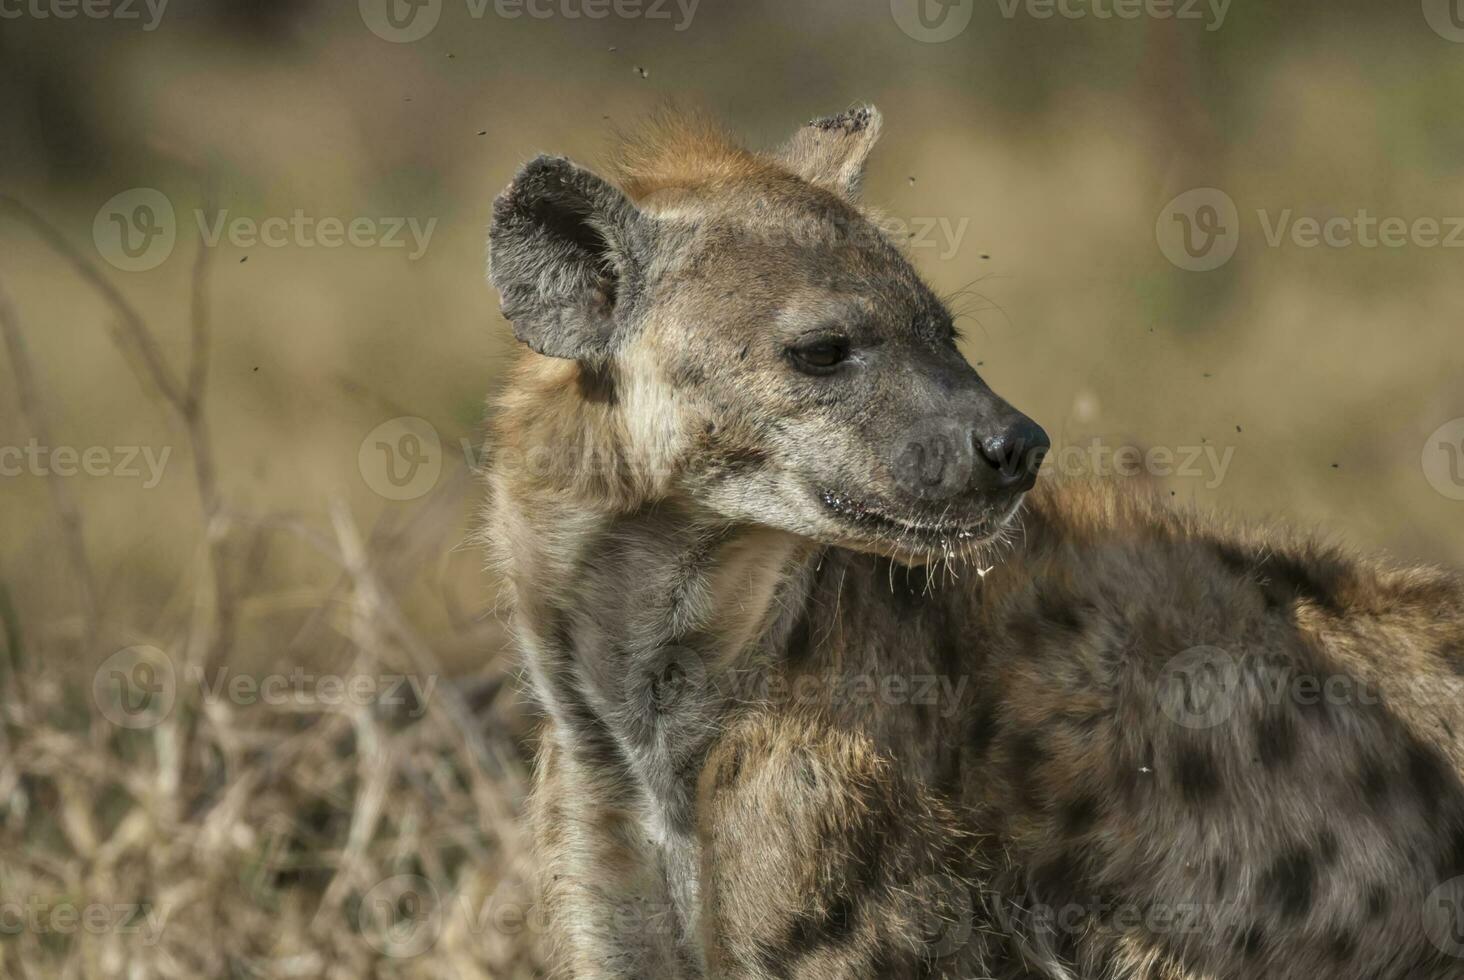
x=248, y=344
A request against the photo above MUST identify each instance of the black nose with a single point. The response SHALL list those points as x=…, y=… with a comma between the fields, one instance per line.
x=1016, y=453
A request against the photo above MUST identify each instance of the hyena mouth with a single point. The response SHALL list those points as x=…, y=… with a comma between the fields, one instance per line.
x=869, y=518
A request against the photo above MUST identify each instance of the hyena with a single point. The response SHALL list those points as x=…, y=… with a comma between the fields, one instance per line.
x=835, y=689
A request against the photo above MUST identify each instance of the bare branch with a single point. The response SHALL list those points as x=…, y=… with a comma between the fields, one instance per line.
x=132, y=329
x=138, y=344
x=62, y=499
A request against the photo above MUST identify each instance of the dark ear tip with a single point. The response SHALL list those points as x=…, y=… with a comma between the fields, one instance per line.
x=852, y=121
x=542, y=175
x=535, y=174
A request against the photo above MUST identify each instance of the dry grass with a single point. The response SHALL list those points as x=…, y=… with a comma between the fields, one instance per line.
x=158, y=824
x=258, y=830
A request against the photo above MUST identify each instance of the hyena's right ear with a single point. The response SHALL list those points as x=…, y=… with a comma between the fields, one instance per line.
x=567, y=255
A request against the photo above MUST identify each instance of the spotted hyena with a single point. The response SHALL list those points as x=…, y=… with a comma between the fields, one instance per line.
x=834, y=690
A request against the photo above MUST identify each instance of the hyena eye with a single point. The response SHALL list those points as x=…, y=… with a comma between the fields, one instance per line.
x=820, y=355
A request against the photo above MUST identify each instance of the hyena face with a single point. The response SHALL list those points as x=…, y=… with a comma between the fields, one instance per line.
x=769, y=352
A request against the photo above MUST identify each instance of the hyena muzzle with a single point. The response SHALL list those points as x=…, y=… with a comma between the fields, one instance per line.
x=834, y=688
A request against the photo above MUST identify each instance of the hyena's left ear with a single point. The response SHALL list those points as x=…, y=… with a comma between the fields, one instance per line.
x=567, y=254
x=832, y=151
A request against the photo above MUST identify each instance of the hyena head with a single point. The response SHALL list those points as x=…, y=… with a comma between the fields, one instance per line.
x=753, y=343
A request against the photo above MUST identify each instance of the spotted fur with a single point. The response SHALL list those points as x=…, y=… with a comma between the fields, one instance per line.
x=1102, y=739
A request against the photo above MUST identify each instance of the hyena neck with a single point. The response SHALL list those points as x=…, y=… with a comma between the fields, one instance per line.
x=626, y=621
x=607, y=603
x=615, y=577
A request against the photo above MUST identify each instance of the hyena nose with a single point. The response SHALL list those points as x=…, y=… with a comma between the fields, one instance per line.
x=1015, y=453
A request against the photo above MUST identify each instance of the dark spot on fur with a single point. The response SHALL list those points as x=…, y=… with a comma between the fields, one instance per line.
x=865, y=844
x=1285, y=579
x=1049, y=617
x=1291, y=882
x=597, y=385
x=1329, y=849
x=1452, y=865
x=983, y=729
x=1342, y=946
x=911, y=586
x=1060, y=612
x=1252, y=943
x=949, y=656
x=1375, y=784
x=1196, y=774
x=1079, y=815
x=1222, y=876
x=689, y=376
x=832, y=925
x=1377, y=901
x=730, y=770
x=735, y=457
x=800, y=646
x=1427, y=774
x=1276, y=739
x=1059, y=882
x=1026, y=755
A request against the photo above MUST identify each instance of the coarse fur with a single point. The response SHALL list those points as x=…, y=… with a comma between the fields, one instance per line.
x=820, y=705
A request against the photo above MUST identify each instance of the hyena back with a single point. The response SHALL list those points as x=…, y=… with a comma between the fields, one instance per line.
x=833, y=690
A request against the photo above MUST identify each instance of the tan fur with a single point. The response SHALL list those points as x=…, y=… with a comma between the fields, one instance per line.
x=736, y=778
